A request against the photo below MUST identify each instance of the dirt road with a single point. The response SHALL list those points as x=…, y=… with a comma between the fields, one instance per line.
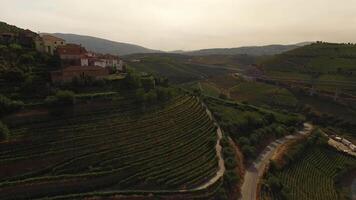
x=255, y=171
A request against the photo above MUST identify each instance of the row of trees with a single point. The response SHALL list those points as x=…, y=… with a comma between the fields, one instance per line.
x=159, y=94
x=231, y=177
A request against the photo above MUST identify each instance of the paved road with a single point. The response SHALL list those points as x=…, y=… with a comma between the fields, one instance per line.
x=255, y=171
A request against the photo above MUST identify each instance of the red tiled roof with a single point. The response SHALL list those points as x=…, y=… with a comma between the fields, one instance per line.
x=51, y=38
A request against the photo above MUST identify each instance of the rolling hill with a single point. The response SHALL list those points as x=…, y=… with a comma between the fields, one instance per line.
x=175, y=67
x=113, y=47
x=250, y=50
x=104, y=46
x=326, y=65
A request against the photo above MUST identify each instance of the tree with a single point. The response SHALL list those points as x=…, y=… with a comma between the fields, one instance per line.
x=4, y=131
x=133, y=80
x=151, y=96
x=7, y=105
x=231, y=177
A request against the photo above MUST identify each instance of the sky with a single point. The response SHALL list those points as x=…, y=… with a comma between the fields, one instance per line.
x=189, y=24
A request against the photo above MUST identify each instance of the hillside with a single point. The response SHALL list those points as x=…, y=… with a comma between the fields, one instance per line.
x=7, y=28
x=23, y=70
x=250, y=50
x=328, y=66
x=175, y=67
x=104, y=46
x=107, y=46
x=115, y=147
x=312, y=171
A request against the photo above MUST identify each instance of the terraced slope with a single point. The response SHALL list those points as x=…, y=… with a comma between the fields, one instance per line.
x=112, y=149
x=328, y=66
x=313, y=176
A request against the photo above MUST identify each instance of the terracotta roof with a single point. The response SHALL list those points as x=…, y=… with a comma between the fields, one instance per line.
x=51, y=38
x=71, y=49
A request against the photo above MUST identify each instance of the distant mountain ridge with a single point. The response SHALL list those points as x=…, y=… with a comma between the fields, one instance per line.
x=250, y=50
x=107, y=46
x=103, y=45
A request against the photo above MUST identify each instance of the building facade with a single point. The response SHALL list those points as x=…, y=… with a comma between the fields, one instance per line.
x=48, y=43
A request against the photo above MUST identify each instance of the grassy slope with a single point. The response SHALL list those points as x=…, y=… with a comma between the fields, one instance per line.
x=331, y=62
x=263, y=94
x=174, y=67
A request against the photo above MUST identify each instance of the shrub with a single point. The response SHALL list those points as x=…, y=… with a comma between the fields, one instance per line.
x=151, y=96
x=230, y=163
x=7, y=105
x=231, y=177
x=62, y=98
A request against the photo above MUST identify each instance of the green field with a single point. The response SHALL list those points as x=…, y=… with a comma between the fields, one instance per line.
x=313, y=176
x=112, y=148
x=320, y=63
x=251, y=127
x=174, y=67
x=263, y=94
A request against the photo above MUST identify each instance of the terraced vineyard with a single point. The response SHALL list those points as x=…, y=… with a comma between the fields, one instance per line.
x=313, y=176
x=112, y=149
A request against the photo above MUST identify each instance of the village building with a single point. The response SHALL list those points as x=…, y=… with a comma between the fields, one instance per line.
x=48, y=43
x=69, y=73
x=73, y=54
x=78, y=62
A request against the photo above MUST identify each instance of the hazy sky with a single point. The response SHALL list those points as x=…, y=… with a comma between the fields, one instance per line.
x=189, y=24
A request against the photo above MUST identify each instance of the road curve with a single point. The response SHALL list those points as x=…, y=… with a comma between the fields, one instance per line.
x=255, y=171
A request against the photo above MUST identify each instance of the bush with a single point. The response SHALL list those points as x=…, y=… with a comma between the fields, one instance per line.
x=230, y=162
x=62, y=98
x=151, y=96
x=231, y=177
x=249, y=151
x=7, y=105
x=4, y=131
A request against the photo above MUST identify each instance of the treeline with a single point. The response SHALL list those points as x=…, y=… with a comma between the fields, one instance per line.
x=148, y=88
x=24, y=72
x=250, y=126
x=326, y=119
x=232, y=177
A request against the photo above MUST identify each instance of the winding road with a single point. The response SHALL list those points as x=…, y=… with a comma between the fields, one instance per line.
x=255, y=171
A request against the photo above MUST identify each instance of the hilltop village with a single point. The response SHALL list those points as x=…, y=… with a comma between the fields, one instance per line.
x=75, y=60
